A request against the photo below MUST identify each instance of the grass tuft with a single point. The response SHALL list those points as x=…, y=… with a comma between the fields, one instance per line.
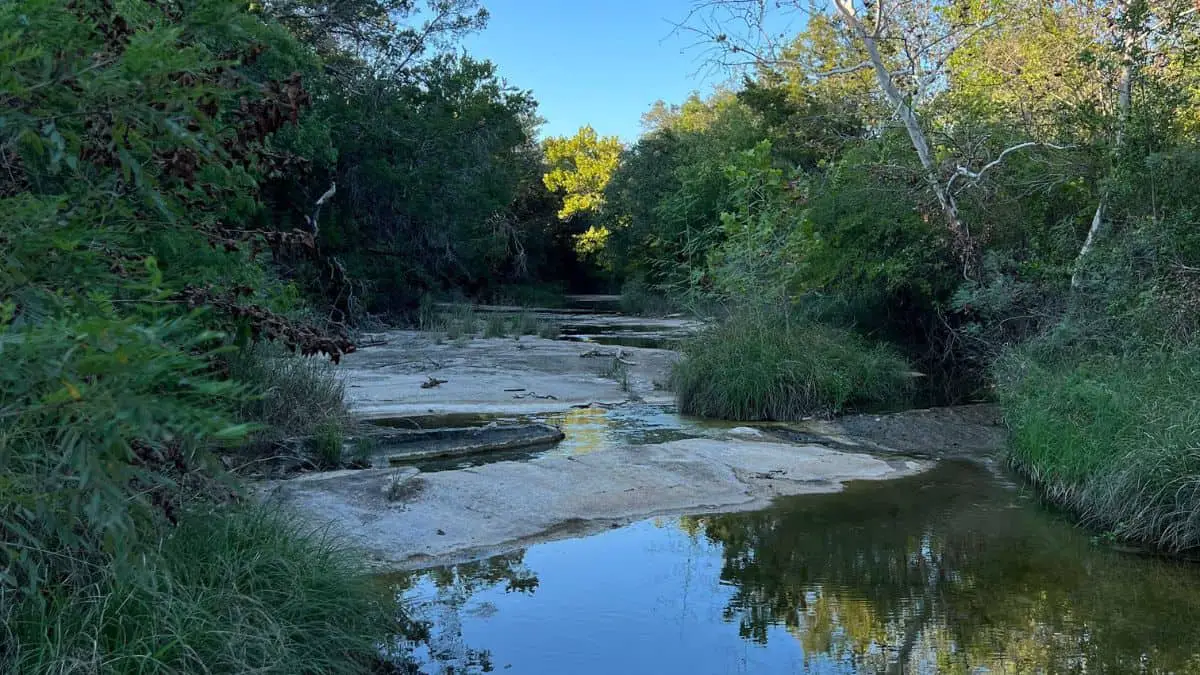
x=1114, y=438
x=496, y=326
x=527, y=324
x=228, y=591
x=772, y=366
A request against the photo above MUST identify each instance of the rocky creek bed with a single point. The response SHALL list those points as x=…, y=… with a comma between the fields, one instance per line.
x=646, y=542
x=468, y=465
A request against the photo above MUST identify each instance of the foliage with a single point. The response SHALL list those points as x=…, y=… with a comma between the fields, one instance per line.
x=245, y=590
x=289, y=397
x=770, y=365
x=1113, y=438
x=135, y=265
x=580, y=167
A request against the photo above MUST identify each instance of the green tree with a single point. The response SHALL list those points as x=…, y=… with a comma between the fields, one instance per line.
x=580, y=167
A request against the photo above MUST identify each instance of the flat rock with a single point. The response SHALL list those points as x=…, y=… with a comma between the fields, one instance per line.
x=449, y=516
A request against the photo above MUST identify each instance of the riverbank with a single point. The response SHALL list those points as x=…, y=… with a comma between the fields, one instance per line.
x=1112, y=438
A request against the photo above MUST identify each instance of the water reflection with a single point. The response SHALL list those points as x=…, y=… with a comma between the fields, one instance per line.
x=953, y=571
x=587, y=430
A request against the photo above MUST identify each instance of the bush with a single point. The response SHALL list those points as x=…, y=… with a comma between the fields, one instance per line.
x=1113, y=437
x=773, y=366
x=231, y=591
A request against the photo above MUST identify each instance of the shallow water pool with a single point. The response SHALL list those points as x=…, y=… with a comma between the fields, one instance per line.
x=957, y=570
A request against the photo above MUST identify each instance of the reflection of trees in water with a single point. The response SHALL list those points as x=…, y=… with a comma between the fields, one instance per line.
x=938, y=573
x=436, y=622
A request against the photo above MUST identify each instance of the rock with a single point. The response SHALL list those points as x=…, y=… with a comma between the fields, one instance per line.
x=750, y=432
x=503, y=506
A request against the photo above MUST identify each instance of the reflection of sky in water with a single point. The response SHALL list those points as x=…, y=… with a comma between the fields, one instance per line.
x=952, y=571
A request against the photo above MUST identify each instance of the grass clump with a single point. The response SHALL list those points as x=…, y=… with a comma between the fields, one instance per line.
x=496, y=326
x=526, y=323
x=640, y=299
x=770, y=365
x=461, y=323
x=1113, y=437
x=618, y=371
x=228, y=591
x=293, y=396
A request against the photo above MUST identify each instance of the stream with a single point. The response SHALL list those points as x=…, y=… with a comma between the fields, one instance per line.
x=954, y=569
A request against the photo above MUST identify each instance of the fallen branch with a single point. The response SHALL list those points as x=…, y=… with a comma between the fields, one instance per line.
x=533, y=394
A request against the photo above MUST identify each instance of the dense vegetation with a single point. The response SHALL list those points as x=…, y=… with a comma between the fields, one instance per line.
x=191, y=191
x=999, y=189
x=998, y=194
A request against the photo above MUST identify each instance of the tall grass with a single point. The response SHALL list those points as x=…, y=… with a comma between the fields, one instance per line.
x=639, y=299
x=769, y=365
x=229, y=591
x=293, y=396
x=1113, y=437
x=108, y=434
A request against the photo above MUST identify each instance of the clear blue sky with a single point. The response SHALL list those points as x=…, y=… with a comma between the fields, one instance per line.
x=598, y=62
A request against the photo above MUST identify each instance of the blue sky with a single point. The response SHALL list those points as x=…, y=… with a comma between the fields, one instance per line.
x=598, y=62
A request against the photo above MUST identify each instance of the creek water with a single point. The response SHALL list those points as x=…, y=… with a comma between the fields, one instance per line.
x=956, y=570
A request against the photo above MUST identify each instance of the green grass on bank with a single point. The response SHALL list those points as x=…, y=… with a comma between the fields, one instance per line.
x=772, y=366
x=228, y=591
x=1116, y=439
x=122, y=549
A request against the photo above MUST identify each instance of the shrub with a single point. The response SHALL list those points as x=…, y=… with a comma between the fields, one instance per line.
x=1113, y=437
x=772, y=366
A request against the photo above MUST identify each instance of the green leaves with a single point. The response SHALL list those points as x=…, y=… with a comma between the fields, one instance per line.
x=581, y=167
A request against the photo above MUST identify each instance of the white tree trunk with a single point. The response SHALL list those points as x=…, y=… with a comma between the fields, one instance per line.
x=964, y=245
x=1124, y=90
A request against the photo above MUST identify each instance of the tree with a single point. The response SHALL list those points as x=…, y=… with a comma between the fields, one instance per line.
x=580, y=167
x=907, y=44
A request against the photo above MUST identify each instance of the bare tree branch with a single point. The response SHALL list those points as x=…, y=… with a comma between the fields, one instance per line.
x=975, y=176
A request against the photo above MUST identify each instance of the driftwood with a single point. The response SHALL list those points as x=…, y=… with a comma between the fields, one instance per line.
x=534, y=394
x=618, y=355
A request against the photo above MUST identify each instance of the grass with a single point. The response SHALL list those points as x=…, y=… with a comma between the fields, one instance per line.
x=1114, y=438
x=526, y=323
x=499, y=325
x=772, y=366
x=496, y=326
x=617, y=370
x=461, y=322
x=639, y=299
x=228, y=591
x=294, y=396
x=327, y=445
